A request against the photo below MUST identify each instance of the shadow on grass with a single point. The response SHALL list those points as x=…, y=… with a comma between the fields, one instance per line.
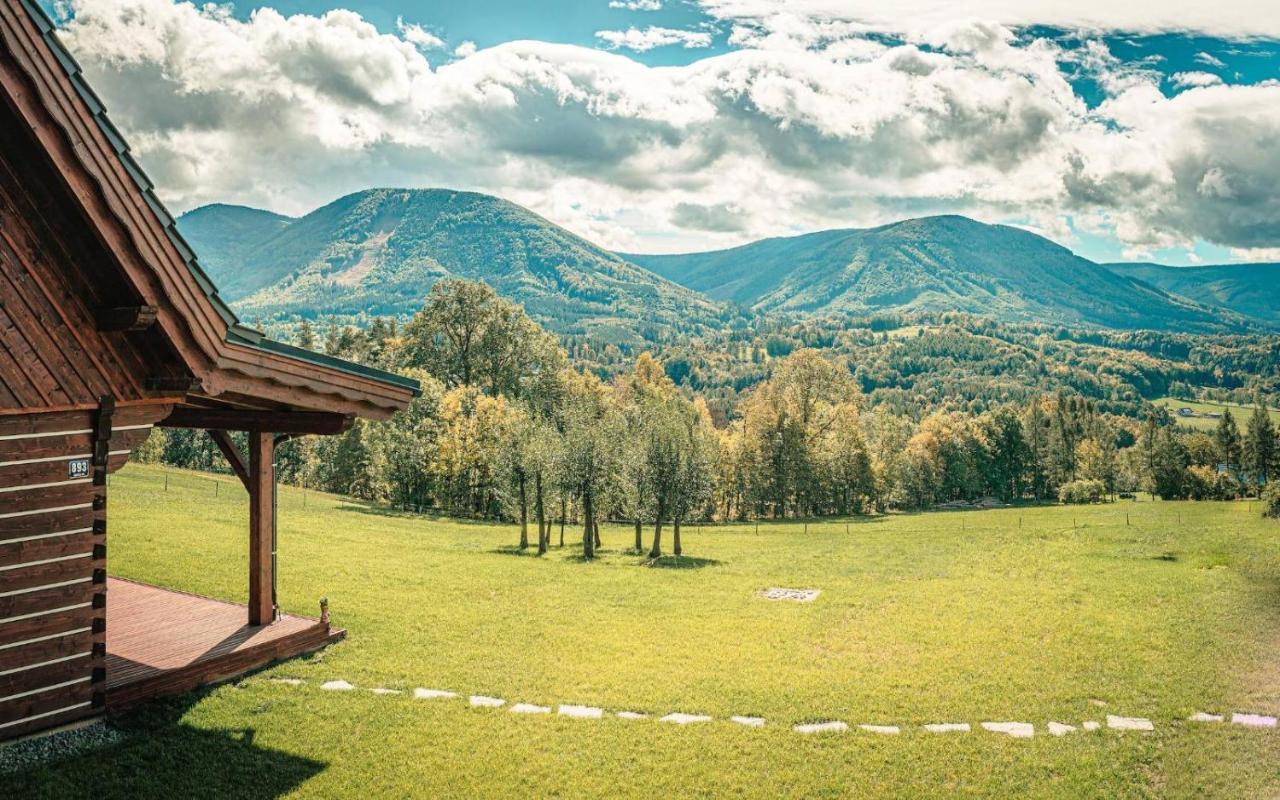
x=161, y=756
x=516, y=550
x=680, y=562
x=1165, y=557
x=396, y=513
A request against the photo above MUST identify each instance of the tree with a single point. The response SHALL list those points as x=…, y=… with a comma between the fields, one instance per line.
x=1096, y=460
x=1169, y=462
x=1259, y=450
x=588, y=457
x=1009, y=457
x=1227, y=438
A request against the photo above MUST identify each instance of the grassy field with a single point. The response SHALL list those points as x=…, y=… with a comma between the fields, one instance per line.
x=1031, y=615
x=1241, y=413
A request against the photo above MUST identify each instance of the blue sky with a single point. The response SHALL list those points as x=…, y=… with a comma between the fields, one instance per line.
x=1143, y=130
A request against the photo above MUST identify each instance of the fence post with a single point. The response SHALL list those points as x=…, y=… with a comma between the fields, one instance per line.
x=166, y=481
x=215, y=488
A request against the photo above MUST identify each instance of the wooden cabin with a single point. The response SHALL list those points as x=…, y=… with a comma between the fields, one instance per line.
x=108, y=327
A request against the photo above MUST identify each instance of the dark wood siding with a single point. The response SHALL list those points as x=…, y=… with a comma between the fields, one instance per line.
x=53, y=560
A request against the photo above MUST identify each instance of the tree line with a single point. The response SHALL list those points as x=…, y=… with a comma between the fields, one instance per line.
x=507, y=428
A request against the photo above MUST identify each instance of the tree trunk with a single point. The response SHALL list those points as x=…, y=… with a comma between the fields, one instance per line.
x=539, y=508
x=588, y=528
x=595, y=528
x=656, y=550
x=675, y=535
x=524, y=516
x=639, y=536
x=563, y=514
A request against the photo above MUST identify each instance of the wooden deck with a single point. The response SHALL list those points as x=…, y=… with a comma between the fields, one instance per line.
x=163, y=642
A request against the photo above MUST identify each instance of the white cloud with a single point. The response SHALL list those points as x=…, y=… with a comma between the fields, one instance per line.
x=1234, y=19
x=637, y=5
x=640, y=40
x=1211, y=60
x=1186, y=80
x=289, y=112
x=418, y=35
x=465, y=49
x=1257, y=254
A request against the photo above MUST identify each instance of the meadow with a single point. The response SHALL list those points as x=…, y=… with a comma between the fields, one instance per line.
x=1205, y=423
x=1148, y=609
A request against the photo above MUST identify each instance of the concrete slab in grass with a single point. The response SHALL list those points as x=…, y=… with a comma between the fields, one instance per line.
x=581, y=712
x=1018, y=730
x=433, y=694
x=336, y=686
x=1253, y=720
x=382, y=690
x=833, y=726
x=681, y=718
x=888, y=730
x=750, y=722
x=1201, y=716
x=794, y=595
x=1129, y=723
x=483, y=701
x=1061, y=729
x=1091, y=725
x=529, y=708
x=947, y=727
x=287, y=681
x=631, y=715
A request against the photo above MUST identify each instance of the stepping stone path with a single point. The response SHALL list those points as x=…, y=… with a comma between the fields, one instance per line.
x=1018, y=730
x=631, y=715
x=684, y=719
x=1129, y=723
x=487, y=702
x=750, y=722
x=1059, y=729
x=336, y=686
x=386, y=691
x=890, y=730
x=433, y=694
x=835, y=726
x=581, y=712
x=1253, y=720
x=528, y=708
x=794, y=595
x=288, y=681
x=948, y=727
x=1091, y=725
x=1201, y=716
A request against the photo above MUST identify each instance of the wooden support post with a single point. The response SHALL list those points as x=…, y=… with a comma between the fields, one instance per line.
x=261, y=515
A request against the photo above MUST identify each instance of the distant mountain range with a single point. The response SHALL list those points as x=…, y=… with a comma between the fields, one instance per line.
x=947, y=263
x=378, y=252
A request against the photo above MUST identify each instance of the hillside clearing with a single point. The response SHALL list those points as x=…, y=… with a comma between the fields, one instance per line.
x=1030, y=615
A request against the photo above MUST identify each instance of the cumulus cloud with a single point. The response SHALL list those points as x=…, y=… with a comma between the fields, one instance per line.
x=1186, y=80
x=779, y=137
x=418, y=35
x=637, y=5
x=1209, y=59
x=642, y=39
x=465, y=49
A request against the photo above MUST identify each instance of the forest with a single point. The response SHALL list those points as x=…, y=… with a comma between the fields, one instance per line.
x=839, y=417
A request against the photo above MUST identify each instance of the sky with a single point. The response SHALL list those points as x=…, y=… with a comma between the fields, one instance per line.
x=1138, y=130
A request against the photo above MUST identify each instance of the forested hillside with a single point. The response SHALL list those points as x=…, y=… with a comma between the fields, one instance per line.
x=935, y=264
x=1252, y=289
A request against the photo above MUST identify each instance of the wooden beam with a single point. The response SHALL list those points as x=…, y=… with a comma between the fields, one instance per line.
x=261, y=519
x=233, y=455
x=217, y=419
x=126, y=318
x=173, y=384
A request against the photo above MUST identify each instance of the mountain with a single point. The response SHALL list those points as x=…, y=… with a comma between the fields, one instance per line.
x=946, y=263
x=379, y=251
x=1252, y=289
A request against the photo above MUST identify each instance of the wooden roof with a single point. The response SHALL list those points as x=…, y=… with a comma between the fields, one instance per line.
x=85, y=208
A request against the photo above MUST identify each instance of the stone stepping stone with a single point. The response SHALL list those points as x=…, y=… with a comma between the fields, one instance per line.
x=581, y=712
x=336, y=686
x=1201, y=716
x=433, y=694
x=631, y=715
x=1018, y=730
x=680, y=718
x=888, y=730
x=750, y=722
x=288, y=681
x=529, y=708
x=1253, y=720
x=381, y=690
x=834, y=726
x=794, y=595
x=481, y=701
x=948, y=727
x=1129, y=723
x=1091, y=725
x=1061, y=729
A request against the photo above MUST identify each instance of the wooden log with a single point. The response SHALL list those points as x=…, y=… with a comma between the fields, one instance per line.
x=316, y=422
x=126, y=318
x=261, y=513
x=233, y=455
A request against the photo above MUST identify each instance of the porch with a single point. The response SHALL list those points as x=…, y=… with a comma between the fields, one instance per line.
x=164, y=642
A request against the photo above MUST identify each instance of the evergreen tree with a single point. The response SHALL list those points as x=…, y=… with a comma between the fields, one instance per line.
x=1259, y=450
x=1227, y=438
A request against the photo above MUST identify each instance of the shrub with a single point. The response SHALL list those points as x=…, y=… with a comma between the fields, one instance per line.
x=1081, y=492
x=1271, y=500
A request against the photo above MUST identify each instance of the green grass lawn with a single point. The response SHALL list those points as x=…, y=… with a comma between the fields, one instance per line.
x=1241, y=413
x=1019, y=614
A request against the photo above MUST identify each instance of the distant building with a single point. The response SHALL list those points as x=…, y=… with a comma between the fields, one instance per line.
x=1186, y=412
